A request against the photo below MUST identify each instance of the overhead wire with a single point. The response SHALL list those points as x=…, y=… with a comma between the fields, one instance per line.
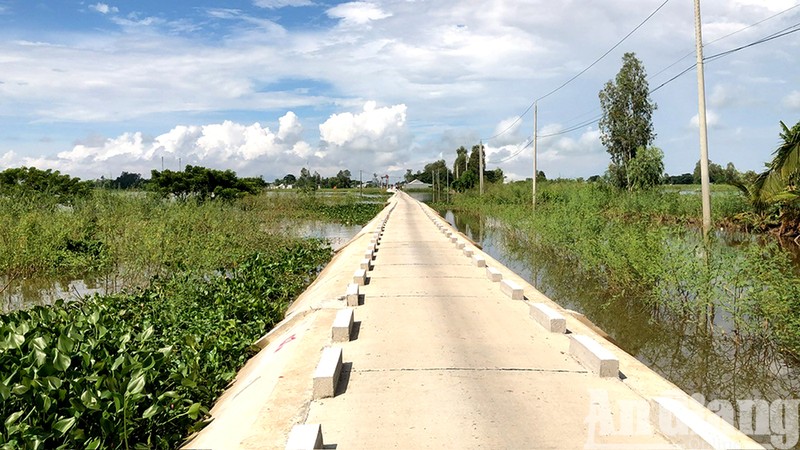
x=778, y=34
x=566, y=83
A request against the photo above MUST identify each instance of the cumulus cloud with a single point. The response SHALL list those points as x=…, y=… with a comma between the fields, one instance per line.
x=381, y=129
x=359, y=13
x=252, y=148
x=792, y=101
x=104, y=8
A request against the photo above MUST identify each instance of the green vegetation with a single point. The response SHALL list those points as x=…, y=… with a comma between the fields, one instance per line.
x=626, y=128
x=202, y=183
x=774, y=194
x=141, y=370
x=643, y=245
x=203, y=280
x=30, y=183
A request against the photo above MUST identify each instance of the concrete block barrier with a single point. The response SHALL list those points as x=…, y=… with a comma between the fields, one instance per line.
x=371, y=248
x=352, y=294
x=549, y=318
x=366, y=264
x=683, y=426
x=459, y=245
x=342, y=325
x=326, y=375
x=512, y=290
x=467, y=252
x=493, y=274
x=453, y=238
x=360, y=277
x=305, y=436
x=593, y=356
x=478, y=261
x=370, y=255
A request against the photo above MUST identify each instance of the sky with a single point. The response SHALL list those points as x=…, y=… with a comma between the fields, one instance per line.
x=267, y=87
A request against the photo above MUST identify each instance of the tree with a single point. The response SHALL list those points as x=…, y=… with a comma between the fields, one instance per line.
x=646, y=169
x=473, y=165
x=31, y=181
x=716, y=174
x=202, y=183
x=460, y=164
x=627, y=121
x=128, y=181
x=289, y=179
x=343, y=179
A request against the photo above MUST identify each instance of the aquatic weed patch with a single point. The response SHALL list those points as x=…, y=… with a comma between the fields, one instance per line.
x=141, y=370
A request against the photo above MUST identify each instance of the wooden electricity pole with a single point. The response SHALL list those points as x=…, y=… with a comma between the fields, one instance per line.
x=535, y=130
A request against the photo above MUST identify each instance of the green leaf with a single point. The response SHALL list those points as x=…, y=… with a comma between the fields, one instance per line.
x=14, y=340
x=61, y=361
x=151, y=411
x=65, y=344
x=38, y=343
x=64, y=425
x=40, y=357
x=13, y=418
x=94, y=444
x=120, y=359
x=136, y=385
x=146, y=334
x=5, y=392
x=194, y=410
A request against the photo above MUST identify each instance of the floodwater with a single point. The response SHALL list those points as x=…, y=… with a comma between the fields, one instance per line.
x=23, y=293
x=717, y=365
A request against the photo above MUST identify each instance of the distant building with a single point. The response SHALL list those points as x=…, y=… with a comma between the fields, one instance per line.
x=416, y=185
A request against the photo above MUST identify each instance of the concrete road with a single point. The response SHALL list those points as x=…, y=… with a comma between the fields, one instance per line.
x=442, y=359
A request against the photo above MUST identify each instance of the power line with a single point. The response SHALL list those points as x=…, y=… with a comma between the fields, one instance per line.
x=527, y=110
x=725, y=37
x=604, y=54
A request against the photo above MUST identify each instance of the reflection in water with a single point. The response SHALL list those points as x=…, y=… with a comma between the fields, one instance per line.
x=712, y=364
x=23, y=293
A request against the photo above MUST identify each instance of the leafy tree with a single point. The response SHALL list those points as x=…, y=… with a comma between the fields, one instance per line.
x=25, y=181
x=626, y=124
x=343, y=179
x=473, y=165
x=201, y=183
x=684, y=178
x=289, y=179
x=646, y=169
x=128, y=181
x=460, y=164
x=716, y=174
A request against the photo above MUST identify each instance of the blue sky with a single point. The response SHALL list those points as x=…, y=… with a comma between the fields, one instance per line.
x=266, y=87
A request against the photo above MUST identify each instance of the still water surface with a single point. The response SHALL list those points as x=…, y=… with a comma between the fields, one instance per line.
x=24, y=293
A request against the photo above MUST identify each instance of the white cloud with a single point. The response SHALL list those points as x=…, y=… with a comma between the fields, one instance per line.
x=379, y=129
x=275, y=4
x=357, y=12
x=104, y=8
x=792, y=101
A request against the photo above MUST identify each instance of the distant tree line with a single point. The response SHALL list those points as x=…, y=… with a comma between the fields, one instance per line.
x=463, y=176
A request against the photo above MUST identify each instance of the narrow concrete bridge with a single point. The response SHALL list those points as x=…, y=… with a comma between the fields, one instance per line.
x=414, y=338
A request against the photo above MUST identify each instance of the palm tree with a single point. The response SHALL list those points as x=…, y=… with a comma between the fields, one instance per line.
x=779, y=185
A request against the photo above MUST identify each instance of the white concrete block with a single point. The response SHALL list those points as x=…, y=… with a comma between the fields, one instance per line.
x=370, y=255
x=549, y=318
x=360, y=277
x=493, y=274
x=468, y=252
x=371, y=248
x=453, y=238
x=352, y=294
x=459, y=245
x=342, y=325
x=366, y=264
x=683, y=426
x=478, y=261
x=326, y=375
x=306, y=436
x=512, y=290
x=593, y=356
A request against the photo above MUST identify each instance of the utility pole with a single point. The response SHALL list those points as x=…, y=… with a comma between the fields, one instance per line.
x=447, y=176
x=701, y=96
x=480, y=165
x=360, y=183
x=535, y=130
